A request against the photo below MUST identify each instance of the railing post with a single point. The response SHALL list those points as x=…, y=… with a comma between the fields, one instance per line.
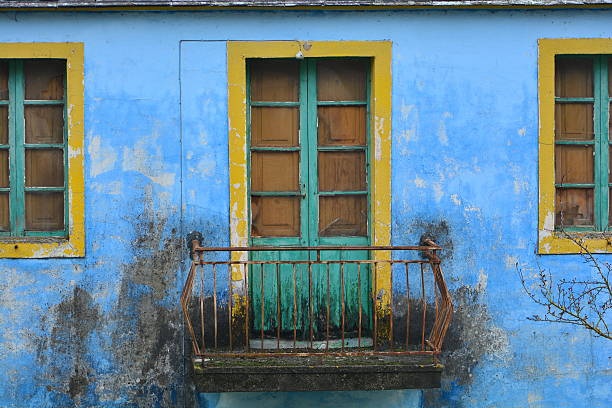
x=194, y=238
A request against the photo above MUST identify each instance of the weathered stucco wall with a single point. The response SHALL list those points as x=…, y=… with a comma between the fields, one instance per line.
x=105, y=330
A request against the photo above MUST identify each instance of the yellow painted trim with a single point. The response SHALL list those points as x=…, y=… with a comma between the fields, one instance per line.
x=74, y=245
x=549, y=241
x=380, y=52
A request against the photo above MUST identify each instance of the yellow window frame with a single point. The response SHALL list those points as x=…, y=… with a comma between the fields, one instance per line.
x=380, y=104
x=551, y=241
x=74, y=244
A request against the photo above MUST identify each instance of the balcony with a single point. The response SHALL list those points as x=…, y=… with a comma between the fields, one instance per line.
x=316, y=318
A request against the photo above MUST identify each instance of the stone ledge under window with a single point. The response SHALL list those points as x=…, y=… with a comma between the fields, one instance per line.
x=316, y=373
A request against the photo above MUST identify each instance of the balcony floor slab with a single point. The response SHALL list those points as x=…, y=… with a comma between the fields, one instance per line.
x=316, y=373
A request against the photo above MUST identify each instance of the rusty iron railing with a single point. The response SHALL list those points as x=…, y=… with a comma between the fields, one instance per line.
x=225, y=308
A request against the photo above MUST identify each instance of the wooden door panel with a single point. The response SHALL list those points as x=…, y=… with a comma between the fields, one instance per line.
x=275, y=216
x=275, y=171
x=275, y=126
x=341, y=80
x=343, y=216
x=342, y=126
x=342, y=171
x=274, y=80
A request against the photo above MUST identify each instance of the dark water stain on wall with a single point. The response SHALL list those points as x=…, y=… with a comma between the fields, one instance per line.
x=142, y=334
x=147, y=328
x=63, y=353
x=438, y=231
x=471, y=337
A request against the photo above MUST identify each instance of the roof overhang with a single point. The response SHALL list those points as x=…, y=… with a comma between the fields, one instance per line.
x=296, y=4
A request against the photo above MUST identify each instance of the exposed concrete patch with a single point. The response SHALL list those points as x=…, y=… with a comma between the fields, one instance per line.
x=102, y=156
x=147, y=159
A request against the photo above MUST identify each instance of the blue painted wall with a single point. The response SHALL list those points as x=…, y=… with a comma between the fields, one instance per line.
x=105, y=330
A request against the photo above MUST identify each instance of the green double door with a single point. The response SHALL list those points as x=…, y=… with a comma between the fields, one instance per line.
x=309, y=186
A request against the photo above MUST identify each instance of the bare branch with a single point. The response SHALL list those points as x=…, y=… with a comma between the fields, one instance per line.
x=579, y=302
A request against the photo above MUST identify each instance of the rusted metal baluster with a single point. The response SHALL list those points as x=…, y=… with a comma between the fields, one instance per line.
x=261, y=282
x=247, y=294
x=342, y=300
x=407, y=309
x=278, y=307
x=359, y=302
x=229, y=302
x=435, y=289
x=294, y=308
x=202, y=306
x=423, y=306
x=328, y=303
x=391, y=305
x=214, y=268
x=374, y=299
x=310, y=317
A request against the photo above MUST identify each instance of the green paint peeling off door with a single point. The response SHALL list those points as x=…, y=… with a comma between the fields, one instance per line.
x=309, y=186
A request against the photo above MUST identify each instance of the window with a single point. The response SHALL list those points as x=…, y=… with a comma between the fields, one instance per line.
x=378, y=57
x=41, y=155
x=32, y=150
x=309, y=151
x=575, y=184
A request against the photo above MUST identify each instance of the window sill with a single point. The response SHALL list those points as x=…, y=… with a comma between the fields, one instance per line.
x=562, y=242
x=40, y=247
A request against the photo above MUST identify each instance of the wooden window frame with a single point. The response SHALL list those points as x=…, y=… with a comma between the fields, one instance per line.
x=17, y=145
x=551, y=238
x=71, y=241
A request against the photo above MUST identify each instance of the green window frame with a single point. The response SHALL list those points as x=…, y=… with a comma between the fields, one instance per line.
x=17, y=145
x=600, y=144
x=308, y=164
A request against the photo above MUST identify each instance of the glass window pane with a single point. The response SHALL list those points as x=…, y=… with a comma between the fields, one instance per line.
x=4, y=168
x=341, y=80
x=574, y=207
x=274, y=80
x=574, y=164
x=5, y=223
x=44, y=80
x=343, y=216
x=342, y=171
x=342, y=126
x=44, y=167
x=275, y=216
x=3, y=124
x=275, y=127
x=44, y=211
x=574, y=121
x=275, y=171
x=4, y=93
x=44, y=124
x=574, y=78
